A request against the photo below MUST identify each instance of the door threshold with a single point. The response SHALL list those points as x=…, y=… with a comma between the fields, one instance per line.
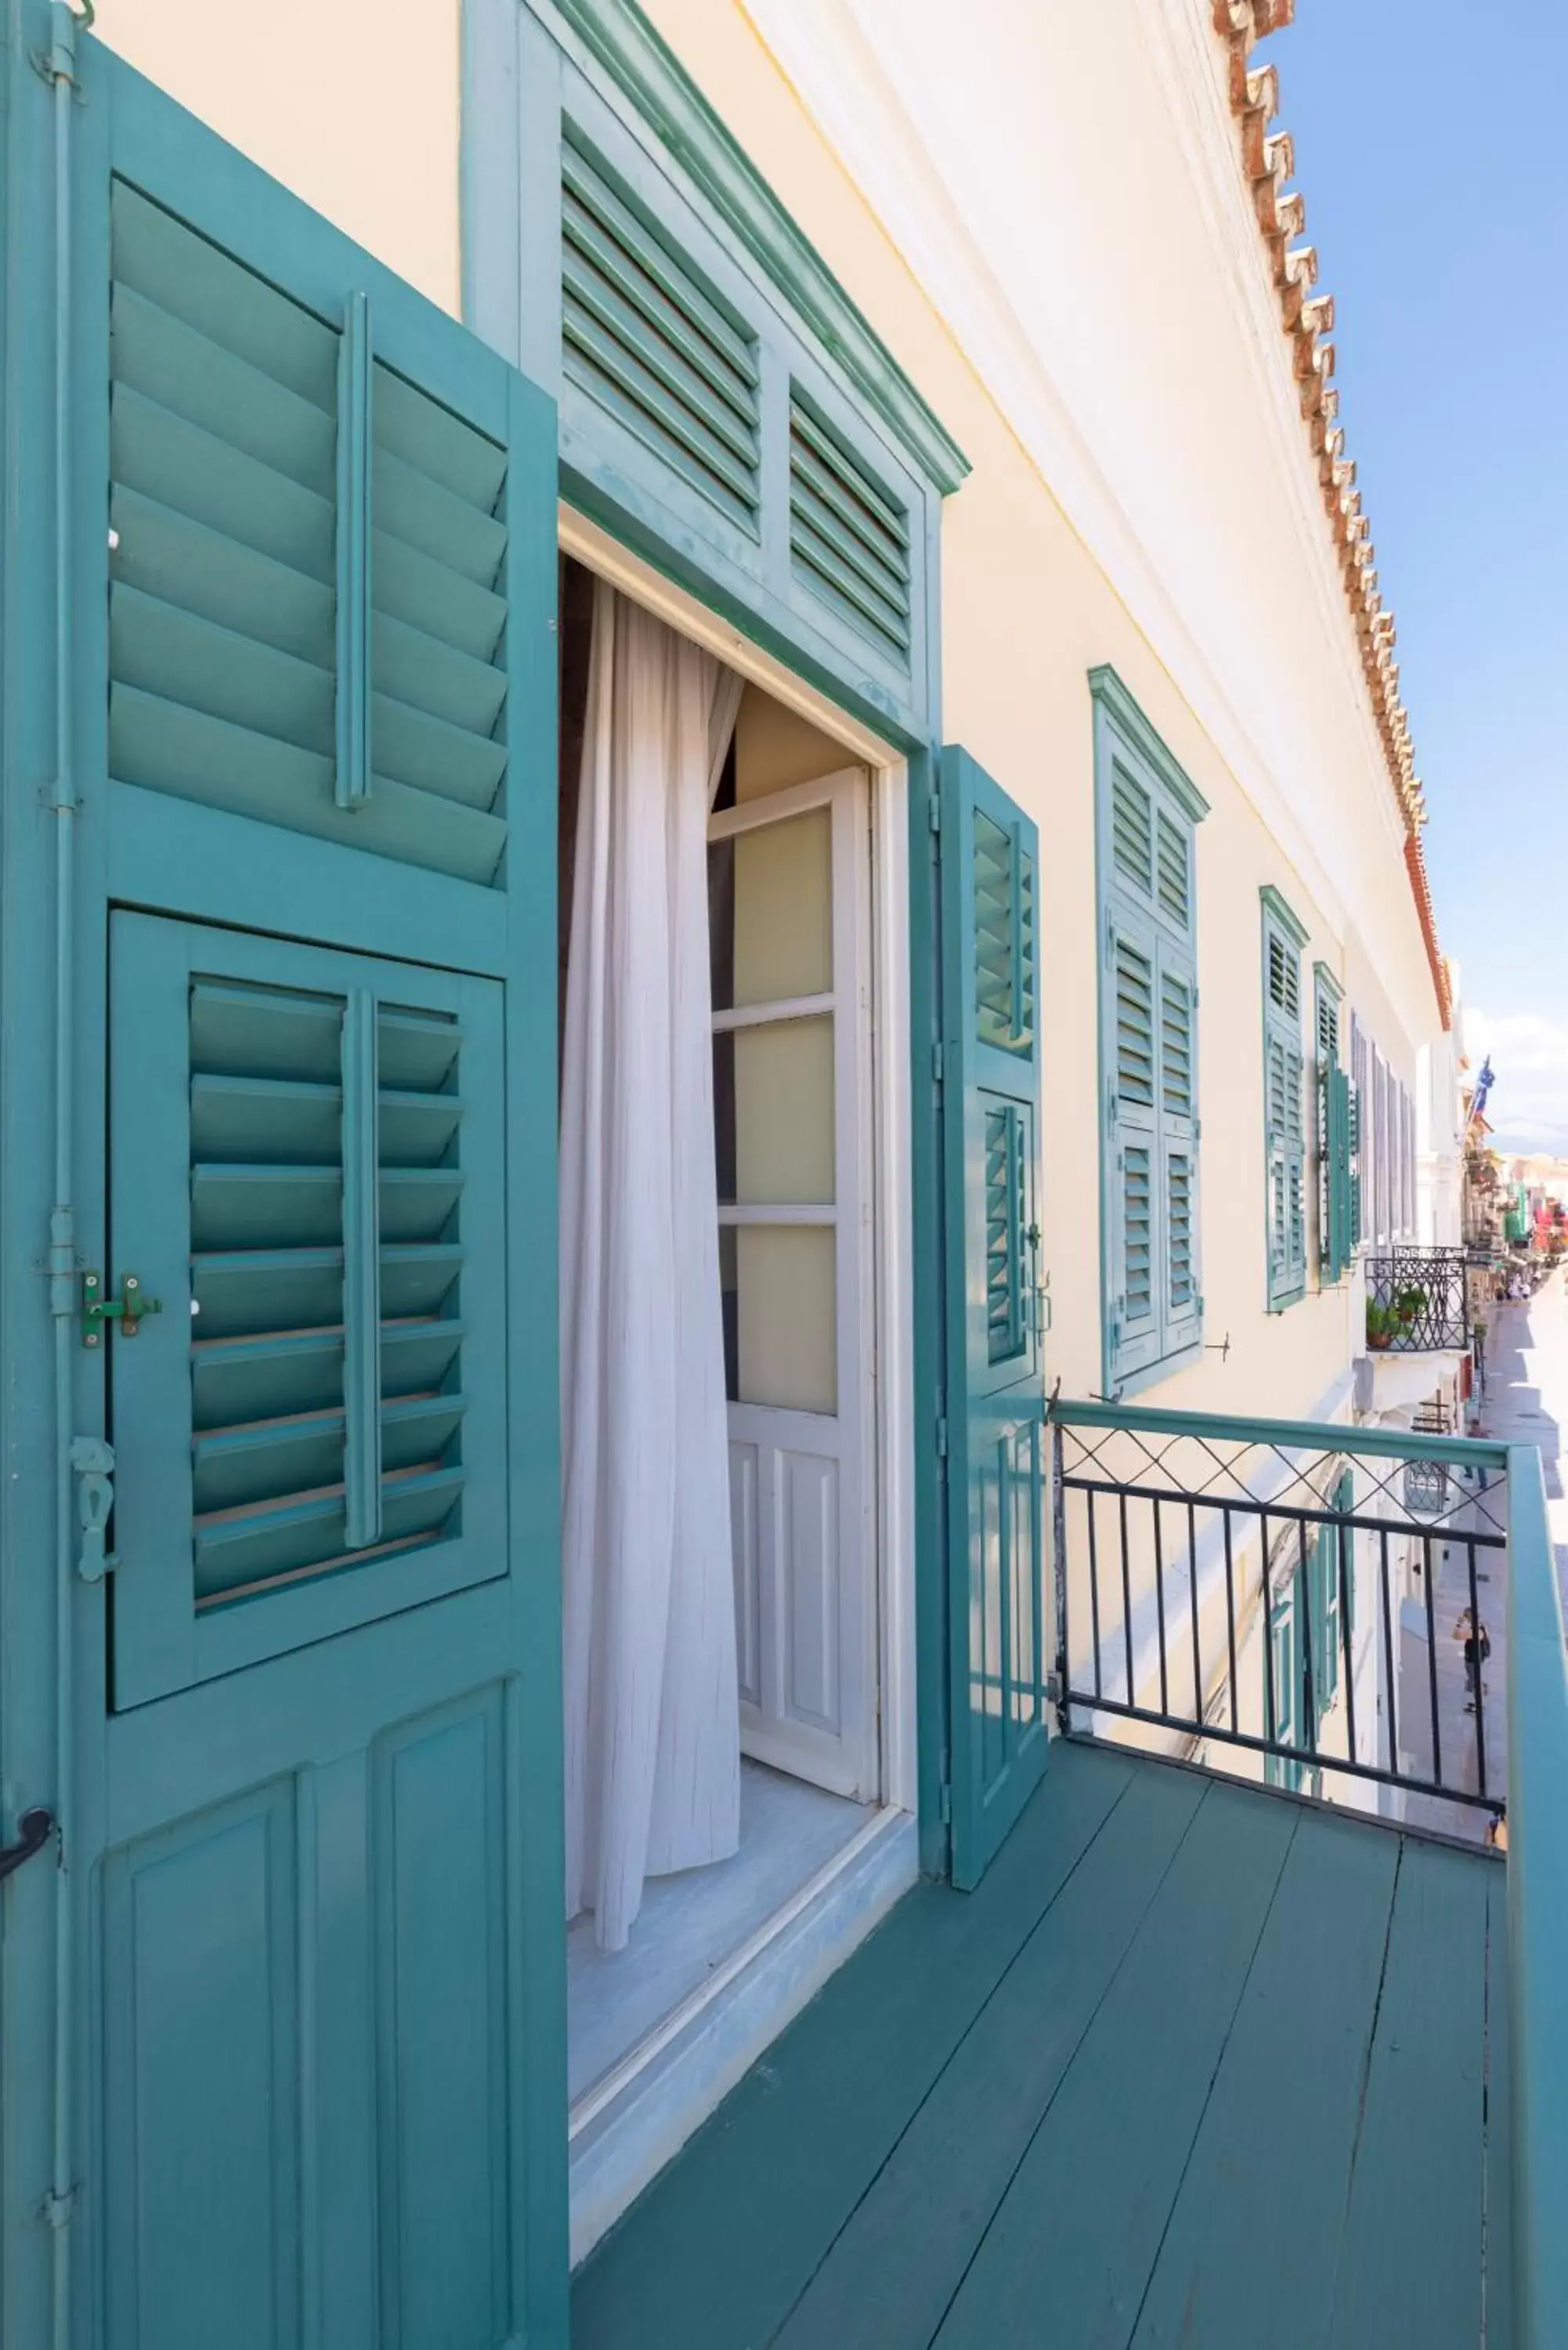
x=626, y=2127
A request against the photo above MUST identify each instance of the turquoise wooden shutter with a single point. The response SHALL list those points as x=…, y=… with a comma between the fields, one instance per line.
x=994, y=1309
x=1333, y=1093
x=1285, y=1136
x=309, y=595
x=1153, y=1303
x=309, y=1176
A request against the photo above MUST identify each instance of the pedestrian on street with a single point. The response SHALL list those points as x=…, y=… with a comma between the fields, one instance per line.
x=1478, y=1648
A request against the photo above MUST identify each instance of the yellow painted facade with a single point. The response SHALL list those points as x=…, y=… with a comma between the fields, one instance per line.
x=358, y=108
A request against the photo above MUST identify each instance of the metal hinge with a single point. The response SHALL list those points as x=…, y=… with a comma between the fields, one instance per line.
x=935, y=805
x=946, y=1804
x=942, y=1437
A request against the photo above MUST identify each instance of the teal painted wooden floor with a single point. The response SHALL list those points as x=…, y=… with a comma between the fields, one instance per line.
x=1196, y=2066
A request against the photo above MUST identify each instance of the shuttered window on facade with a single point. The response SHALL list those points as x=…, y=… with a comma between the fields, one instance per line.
x=1150, y=1192
x=1284, y=1137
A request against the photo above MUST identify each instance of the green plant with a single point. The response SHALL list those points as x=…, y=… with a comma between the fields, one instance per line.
x=1381, y=1325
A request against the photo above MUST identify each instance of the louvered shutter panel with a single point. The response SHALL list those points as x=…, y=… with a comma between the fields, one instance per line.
x=1353, y=1129
x=651, y=344
x=320, y=1224
x=849, y=537
x=1181, y=1301
x=308, y=581
x=1136, y=1207
x=993, y=1306
x=1284, y=1144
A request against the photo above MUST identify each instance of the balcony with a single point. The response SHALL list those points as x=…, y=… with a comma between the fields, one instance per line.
x=1207, y=2059
x=1416, y=1302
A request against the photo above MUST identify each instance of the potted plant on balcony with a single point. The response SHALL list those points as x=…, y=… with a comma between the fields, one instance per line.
x=1381, y=1325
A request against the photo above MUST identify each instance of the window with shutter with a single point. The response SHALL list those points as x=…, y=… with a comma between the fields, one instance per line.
x=1148, y=812
x=308, y=595
x=1285, y=1136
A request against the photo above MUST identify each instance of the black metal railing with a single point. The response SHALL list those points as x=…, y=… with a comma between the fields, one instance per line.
x=1417, y=1302
x=1312, y=1594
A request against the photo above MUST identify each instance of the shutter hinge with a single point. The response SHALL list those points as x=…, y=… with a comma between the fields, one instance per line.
x=937, y=1058
x=942, y=1436
x=945, y=1802
x=936, y=809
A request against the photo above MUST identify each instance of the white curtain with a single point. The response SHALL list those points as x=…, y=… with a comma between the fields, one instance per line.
x=653, y=1727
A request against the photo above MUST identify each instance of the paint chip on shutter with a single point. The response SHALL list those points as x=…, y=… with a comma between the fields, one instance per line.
x=651, y=344
x=849, y=538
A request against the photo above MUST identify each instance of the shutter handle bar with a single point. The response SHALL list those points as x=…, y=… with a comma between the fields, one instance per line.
x=35, y=1829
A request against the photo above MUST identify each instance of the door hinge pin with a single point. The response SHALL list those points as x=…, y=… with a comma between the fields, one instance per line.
x=941, y=1440
x=947, y=1805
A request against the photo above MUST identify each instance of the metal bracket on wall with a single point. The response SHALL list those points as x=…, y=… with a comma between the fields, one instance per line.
x=93, y=1462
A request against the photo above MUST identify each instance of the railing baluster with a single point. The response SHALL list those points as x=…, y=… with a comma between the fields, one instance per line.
x=1270, y=1719
x=1391, y=1664
x=1192, y=1610
x=1432, y=1657
x=1095, y=1590
x=1304, y=1611
x=1126, y=1601
x=1342, y=1538
x=1230, y=1613
x=1159, y=1608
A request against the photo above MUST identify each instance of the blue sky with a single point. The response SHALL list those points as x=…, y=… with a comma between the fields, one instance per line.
x=1430, y=152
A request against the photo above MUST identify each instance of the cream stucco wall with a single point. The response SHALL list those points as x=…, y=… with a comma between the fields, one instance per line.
x=1046, y=225
x=351, y=103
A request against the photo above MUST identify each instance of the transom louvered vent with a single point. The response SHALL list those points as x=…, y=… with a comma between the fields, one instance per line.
x=1171, y=871
x=273, y=1355
x=230, y=556
x=1004, y=948
x=653, y=344
x=848, y=538
x=1006, y=1177
x=1130, y=845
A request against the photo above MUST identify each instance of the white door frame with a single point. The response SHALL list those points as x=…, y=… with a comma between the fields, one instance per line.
x=890, y=1465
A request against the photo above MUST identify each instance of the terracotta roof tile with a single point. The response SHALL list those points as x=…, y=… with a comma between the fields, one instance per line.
x=1268, y=162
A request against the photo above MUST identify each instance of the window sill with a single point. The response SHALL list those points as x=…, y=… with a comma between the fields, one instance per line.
x=1291, y=1297
x=1150, y=1374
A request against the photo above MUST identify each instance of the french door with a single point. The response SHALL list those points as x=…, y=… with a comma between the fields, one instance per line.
x=788, y=890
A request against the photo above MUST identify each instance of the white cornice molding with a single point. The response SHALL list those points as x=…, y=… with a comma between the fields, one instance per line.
x=838, y=77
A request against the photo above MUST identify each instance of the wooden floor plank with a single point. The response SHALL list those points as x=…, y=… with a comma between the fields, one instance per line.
x=1498, y=2280
x=892, y=2273
x=716, y=2253
x=1410, y=2270
x=1068, y=2255
x=1258, y=2221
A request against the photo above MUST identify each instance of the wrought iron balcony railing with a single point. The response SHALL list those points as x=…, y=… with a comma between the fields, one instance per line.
x=1299, y=1594
x=1417, y=1302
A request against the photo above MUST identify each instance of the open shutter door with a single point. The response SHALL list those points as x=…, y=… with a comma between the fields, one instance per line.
x=994, y=1310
